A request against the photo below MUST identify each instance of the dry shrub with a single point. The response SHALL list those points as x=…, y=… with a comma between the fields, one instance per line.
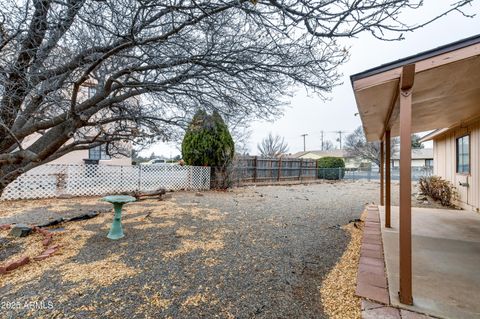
x=438, y=189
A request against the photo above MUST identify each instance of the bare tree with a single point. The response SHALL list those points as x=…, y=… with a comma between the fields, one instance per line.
x=356, y=145
x=241, y=136
x=272, y=146
x=328, y=145
x=148, y=65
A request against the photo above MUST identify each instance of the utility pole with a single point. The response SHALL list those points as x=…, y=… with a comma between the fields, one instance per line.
x=340, y=137
x=304, y=145
x=321, y=132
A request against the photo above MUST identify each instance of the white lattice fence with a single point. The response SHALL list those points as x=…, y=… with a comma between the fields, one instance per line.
x=53, y=180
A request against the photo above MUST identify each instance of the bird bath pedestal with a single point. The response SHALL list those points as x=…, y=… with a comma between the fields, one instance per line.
x=116, y=230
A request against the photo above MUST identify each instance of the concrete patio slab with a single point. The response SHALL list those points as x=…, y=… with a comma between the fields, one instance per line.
x=373, y=310
x=446, y=262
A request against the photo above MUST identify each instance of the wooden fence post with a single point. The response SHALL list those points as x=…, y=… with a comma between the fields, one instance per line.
x=300, y=171
x=269, y=171
x=279, y=169
x=255, y=169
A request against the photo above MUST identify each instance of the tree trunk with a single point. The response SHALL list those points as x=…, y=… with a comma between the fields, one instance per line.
x=9, y=173
x=6, y=179
x=2, y=188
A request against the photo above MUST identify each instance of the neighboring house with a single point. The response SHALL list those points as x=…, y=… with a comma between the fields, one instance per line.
x=156, y=161
x=456, y=152
x=95, y=155
x=350, y=162
x=421, y=158
x=318, y=154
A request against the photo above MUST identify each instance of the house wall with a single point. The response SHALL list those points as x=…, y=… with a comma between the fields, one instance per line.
x=418, y=162
x=77, y=157
x=310, y=156
x=349, y=162
x=357, y=162
x=415, y=163
x=444, y=153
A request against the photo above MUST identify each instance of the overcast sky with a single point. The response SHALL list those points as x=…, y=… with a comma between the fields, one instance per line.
x=310, y=115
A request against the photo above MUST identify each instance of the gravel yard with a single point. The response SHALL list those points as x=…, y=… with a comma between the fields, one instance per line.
x=253, y=252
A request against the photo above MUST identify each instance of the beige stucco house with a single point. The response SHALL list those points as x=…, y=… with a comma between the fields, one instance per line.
x=421, y=158
x=97, y=155
x=456, y=153
x=350, y=162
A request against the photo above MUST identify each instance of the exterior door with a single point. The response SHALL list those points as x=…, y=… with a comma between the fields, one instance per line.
x=462, y=184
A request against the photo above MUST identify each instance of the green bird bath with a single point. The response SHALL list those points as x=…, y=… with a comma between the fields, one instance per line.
x=116, y=230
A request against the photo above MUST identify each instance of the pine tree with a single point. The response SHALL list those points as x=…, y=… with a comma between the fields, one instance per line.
x=207, y=141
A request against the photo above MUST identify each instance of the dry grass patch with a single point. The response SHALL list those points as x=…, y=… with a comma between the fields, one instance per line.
x=9, y=208
x=32, y=245
x=71, y=240
x=148, y=225
x=189, y=245
x=199, y=299
x=210, y=216
x=101, y=273
x=159, y=302
x=210, y=262
x=76, y=235
x=184, y=232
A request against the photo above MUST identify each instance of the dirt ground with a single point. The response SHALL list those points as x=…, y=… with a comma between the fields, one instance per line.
x=253, y=252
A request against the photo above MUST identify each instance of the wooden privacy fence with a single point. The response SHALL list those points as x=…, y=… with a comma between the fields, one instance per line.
x=253, y=169
x=258, y=169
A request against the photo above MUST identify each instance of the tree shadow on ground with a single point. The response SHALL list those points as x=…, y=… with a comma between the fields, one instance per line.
x=185, y=259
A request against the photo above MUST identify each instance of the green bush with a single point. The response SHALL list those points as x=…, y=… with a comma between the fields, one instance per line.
x=331, y=168
x=208, y=142
x=438, y=189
